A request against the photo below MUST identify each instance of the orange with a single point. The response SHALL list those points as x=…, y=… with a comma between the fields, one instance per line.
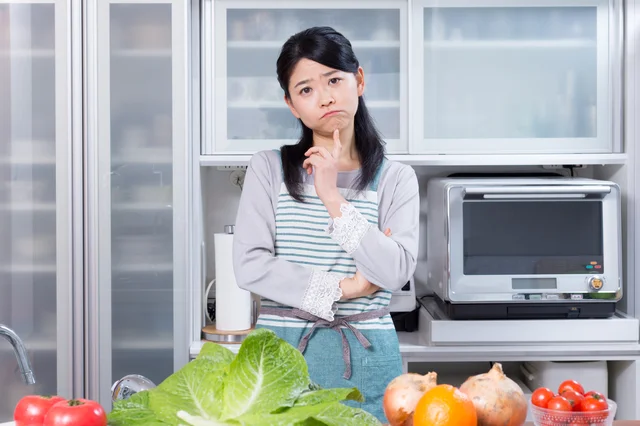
x=445, y=405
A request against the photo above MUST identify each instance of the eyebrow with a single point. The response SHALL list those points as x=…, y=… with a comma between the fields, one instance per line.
x=327, y=74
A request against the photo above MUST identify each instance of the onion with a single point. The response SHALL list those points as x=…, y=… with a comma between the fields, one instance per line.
x=402, y=396
x=497, y=398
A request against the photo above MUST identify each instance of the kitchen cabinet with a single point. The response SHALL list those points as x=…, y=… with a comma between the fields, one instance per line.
x=527, y=77
x=247, y=112
x=36, y=267
x=137, y=197
x=469, y=78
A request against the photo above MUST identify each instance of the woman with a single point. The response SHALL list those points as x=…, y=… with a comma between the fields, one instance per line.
x=308, y=232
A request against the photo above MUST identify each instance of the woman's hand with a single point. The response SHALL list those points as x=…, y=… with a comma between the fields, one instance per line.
x=324, y=165
x=357, y=286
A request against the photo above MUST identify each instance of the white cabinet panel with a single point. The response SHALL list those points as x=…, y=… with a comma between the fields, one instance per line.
x=250, y=113
x=499, y=77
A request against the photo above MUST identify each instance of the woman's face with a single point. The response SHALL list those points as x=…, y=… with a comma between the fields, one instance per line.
x=324, y=98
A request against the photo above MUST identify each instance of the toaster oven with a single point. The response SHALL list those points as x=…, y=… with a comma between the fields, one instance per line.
x=534, y=247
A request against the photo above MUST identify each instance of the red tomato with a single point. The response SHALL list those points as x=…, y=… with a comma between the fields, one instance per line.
x=76, y=412
x=559, y=403
x=592, y=403
x=570, y=385
x=574, y=398
x=31, y=409
x=541, y=397
x=595, y=394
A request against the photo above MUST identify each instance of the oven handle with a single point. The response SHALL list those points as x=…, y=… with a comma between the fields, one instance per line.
x=540, y=191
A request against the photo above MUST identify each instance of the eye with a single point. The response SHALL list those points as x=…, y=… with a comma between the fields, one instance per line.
x=334, y=80
x=305, y=90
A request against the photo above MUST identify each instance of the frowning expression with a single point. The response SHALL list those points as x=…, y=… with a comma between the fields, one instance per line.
x=324, y=98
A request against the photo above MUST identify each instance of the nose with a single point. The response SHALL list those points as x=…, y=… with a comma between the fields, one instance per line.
x=326, y=98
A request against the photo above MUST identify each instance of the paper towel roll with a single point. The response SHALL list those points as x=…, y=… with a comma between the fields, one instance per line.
x=233, y=305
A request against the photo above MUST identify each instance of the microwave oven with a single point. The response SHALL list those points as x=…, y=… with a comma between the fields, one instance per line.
x=524, y=247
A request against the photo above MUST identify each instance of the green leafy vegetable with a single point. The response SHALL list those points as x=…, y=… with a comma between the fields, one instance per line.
x=267, y=383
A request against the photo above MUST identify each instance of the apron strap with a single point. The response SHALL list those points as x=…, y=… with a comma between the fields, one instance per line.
x=373, y=186
x=336, y=325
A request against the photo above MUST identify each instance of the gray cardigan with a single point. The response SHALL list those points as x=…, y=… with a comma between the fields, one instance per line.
x=388, y=262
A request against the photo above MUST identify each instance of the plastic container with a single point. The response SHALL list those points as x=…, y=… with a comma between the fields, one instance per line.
x=545, y=417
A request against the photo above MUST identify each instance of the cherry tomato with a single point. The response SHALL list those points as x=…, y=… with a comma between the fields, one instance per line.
x=541, y=397
x=592, y=403
x=76, y=412
x=559, y=403
x=31, y=409
x=570, y=385
x=574, y=398
x=595, y=394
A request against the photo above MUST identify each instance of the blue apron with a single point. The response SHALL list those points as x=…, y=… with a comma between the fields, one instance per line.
x=360, y=348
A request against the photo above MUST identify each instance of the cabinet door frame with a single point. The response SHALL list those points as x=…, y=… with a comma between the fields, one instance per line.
x=98, y=121
x=68, y=344
x=214, y=55
x=609, y=87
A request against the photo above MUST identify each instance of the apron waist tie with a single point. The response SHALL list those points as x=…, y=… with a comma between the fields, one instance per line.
x=337, y=325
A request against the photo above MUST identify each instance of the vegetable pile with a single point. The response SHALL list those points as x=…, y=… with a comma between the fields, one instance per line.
x=488, y=399
x=571, y=397
x=35, y=410
x=267, y=383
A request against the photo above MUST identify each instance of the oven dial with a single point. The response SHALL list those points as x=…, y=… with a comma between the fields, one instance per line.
x=596, y=283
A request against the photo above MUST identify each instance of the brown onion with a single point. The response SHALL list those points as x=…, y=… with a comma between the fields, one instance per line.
x=497, y=398
x=402, y=396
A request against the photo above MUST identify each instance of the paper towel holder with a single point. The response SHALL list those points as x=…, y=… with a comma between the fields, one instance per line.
x=212, y=334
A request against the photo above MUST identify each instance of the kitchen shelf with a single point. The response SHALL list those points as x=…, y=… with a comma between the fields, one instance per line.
x=29, y=207
x=141, y=207
x=413, y=349
x=281, y=105
x=357, y=44
x=28, y=53
x=510, y=44
x=142, y=53
x=456, y=159
x=143, y=268
x=28, y=269
x=24, y=161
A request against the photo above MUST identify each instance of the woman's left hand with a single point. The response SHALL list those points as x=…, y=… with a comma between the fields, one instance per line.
x=324, y=165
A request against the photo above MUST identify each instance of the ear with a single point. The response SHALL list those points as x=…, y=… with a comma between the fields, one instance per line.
x=291, y=107
x=360, y=81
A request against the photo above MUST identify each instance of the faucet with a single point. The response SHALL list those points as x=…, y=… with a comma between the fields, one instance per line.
x=21, y=353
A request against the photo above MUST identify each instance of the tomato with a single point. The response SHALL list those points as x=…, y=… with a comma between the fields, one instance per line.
x=559, y=403
x=593, y=403
x=595, y=394
x=570, y=385
x=574, y=398
x=76, y=412
x=31, y=409
x=541, y=397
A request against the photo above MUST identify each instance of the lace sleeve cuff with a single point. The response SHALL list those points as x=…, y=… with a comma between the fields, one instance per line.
x=321, y=294
x=348, y=229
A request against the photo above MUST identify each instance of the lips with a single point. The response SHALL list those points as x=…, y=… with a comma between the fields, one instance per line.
x=331, y=113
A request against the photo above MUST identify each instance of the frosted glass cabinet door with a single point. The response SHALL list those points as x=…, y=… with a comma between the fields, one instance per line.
x=250, y=113
x=35, y=285
x=141, y=139
x=514, y=77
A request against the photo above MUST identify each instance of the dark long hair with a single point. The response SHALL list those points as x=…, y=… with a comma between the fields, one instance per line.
x=329, y=48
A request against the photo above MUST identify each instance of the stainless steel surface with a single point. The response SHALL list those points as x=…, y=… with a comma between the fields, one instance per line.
x=446, y=276
x=229, y=229
x=225, y=338
x=21, y=354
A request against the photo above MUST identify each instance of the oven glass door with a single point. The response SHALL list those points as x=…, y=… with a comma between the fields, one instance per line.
x=532, y=237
